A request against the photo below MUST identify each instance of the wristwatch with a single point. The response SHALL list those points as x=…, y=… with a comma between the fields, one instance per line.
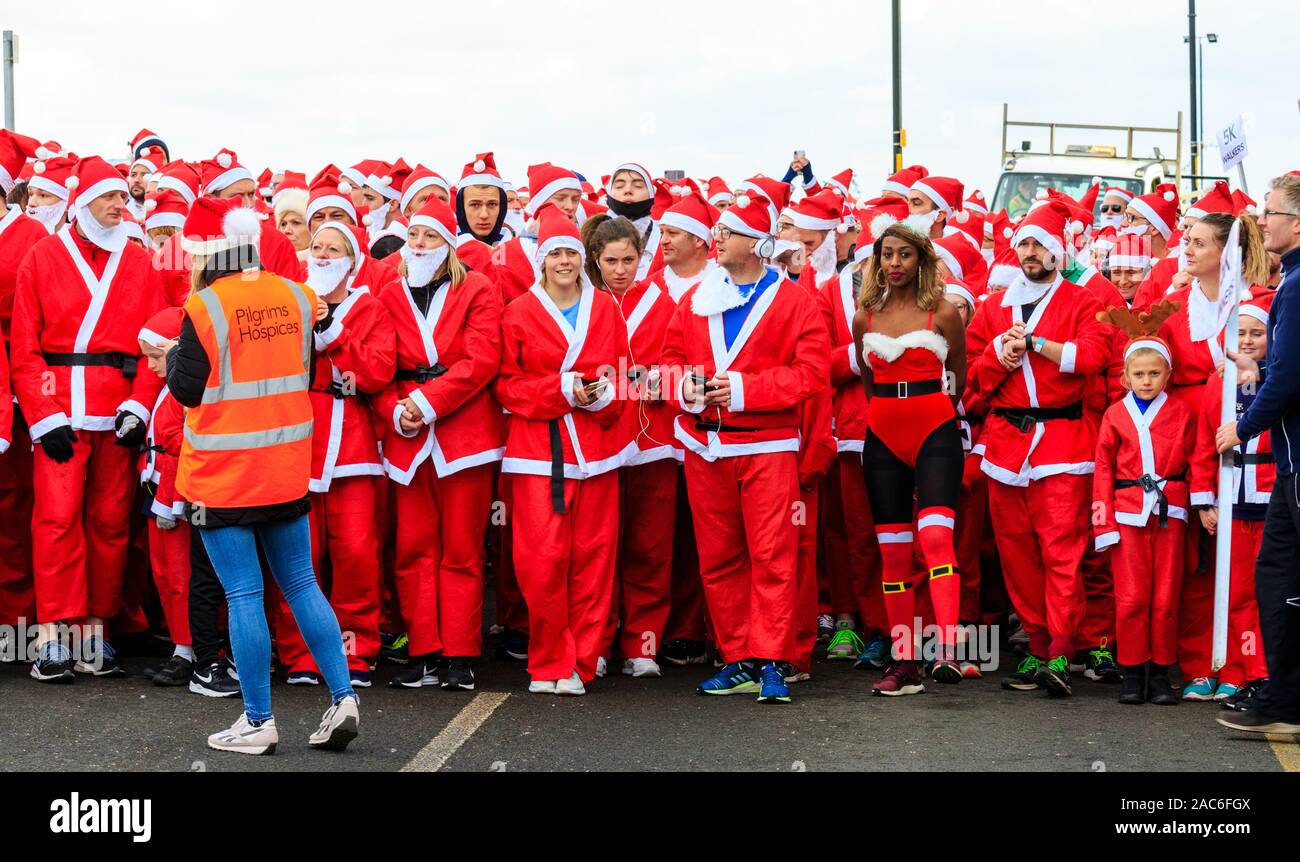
x=1039, y=341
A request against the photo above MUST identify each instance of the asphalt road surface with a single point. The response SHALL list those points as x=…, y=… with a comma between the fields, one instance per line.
x=624, y=724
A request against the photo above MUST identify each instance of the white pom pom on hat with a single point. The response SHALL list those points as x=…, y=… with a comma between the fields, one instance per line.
x=72, y=183
x=1008, y=232
x=742, y=200
x=150, y=205
x=367, y=219
x=961, y=217
x=1168, y=196
x=1096, y=181
x=223, y=159
x=345, y=187
x=241, y=223
x=38, y=168
x=480, y=165
x=1073, y=227
x=43, y=152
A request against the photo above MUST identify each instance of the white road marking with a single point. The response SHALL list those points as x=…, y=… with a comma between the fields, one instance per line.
x=435, y=755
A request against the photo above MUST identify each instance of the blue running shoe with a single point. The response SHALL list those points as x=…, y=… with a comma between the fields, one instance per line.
x=735, y=678
x=773, y=688
x=874, y=654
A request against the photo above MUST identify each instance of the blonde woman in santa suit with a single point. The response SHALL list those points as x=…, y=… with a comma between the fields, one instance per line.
x=561, y=341
x=442, y=437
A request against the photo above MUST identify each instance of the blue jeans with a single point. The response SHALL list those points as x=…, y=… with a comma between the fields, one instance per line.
x=287, y=544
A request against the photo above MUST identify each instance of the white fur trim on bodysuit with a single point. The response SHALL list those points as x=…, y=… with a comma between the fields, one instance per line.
x=889, y=348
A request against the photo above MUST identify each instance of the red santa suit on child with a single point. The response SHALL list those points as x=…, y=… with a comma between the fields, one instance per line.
x=82, y=297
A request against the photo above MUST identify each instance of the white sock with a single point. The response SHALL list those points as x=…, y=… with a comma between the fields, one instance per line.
x=184, y=651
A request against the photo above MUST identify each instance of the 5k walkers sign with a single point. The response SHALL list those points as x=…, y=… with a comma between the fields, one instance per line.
x=1232, y=144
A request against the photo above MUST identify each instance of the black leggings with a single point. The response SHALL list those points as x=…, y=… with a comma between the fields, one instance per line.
x=936, y=481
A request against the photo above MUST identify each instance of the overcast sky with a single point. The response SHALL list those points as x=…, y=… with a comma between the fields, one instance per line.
x=712, y=88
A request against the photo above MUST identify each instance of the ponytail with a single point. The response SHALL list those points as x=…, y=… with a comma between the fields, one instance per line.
x=1255, y=262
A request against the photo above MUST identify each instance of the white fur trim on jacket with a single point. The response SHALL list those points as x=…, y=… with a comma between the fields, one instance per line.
x=889, y=348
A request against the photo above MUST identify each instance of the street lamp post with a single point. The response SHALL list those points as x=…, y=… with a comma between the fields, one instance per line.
x=1198, y=94
x=898, y=90
x=10, y=57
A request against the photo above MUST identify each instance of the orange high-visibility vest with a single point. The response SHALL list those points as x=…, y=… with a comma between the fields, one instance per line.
x=249, y=442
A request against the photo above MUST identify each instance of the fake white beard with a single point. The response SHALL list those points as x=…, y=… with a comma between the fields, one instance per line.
x=925, y=219
x=823, y=257
x=379, y=220
x=110, y=239
x=1134, y=230
x=324, y=274
x=49, y=214
x=1110, y=221
x=422, y=265
x=515, y=221
x=987, y=253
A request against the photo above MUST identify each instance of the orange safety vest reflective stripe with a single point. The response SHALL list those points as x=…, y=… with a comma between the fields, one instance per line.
x=249, y=442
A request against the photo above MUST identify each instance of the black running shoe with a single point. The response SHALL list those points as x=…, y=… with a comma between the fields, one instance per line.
x=303, y=677
x=394, y=648
x=1100, y=665
x=1055, y=677
x=177, y=671
x=683, y=652
x=513, y=647
x=53, y=663
x=213, y=681
x=99, y=659
x=459, y=675
x=1026, y=676
x=419, y=673
x=1244, y=699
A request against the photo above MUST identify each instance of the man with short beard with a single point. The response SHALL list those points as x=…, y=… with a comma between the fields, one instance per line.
x=813, y=223
x=686, y=228
x=936, y=198
x=137, y=182
x=1032, y=350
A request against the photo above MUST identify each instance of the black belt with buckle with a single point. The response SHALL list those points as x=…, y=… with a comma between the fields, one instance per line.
x=421, y=373
x=336, y=390
x=1149, y=483
x=719, y=428
x=1025, y=418
x=113, y=359
x=906, y=389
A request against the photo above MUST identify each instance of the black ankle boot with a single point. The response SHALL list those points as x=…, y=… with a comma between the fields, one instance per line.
x=1160, y=692
x=1133, y=689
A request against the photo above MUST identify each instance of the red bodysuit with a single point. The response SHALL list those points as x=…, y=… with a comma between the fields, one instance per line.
x=903, y=424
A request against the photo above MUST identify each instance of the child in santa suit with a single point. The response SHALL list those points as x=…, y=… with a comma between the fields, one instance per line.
x=353, y=358
x=169, y=533
x=565, y=445
x=1252, y=477
x=1140, y=502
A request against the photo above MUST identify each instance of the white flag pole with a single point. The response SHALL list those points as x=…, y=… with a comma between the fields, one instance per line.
x=1230, y=290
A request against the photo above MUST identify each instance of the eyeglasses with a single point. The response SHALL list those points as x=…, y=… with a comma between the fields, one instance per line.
x=1267, y=213
x=1112, y=208
x=722, y=233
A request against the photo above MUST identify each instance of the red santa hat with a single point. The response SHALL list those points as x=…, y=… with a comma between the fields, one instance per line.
x=776, y=192
x=1130, y=252
x=356, y=175
x=751, y=215
x=152, y=161
x=356, y=238
x=180, y=177
x=1005, y=269
x=556, y=230
x=1217, y=200
x=635, y=168
x=976, y=203
x=92, y=177
x=669, y=192
x=437, y=216
x=822, y=211
x=52, y=175
x=1053, y=225
x=969, y=224
x=165, y=208
x=482, y=171
x=265, y=181
x=841, y=182
x=420, y=179
x=999, y=227
x=219, y=224
x=718, y=191
x=1117, y=192
x=15, y=150
x=901, y=183
x=1088, y=200
x=959, y=287
x=387, y=179
x=222, y=171
x=546, y=179
x=964, y=261
x=292, y=181
x=1257, y=311
x=147, y=143
x=328, y=190
x=894, y=210
x=1243, y=202
x=1105, y=238
x=587, y=209
x=946, y=192
x=1160, y=207
x=693, y=214
x=163, y=328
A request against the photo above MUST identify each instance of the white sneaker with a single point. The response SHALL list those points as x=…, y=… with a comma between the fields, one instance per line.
x=641, y=667
x=243, y=738
x=338, y=726
x=571, y=687
x=601, y=668
x=541, y=686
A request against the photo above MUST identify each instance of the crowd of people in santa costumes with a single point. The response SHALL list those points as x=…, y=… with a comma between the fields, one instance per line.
x=663, y=421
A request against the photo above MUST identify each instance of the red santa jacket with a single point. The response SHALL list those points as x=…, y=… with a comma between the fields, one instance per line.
x=516, y=270
x=1132, y=445
x=779, y=359
x=838, y=306
x=74, y=297
x=354, y=359
x=1155, y=286
x=162, y=455
x=1067, y=314
x=646, y=309
x=482, y=258
x=18, y=233
x=1205, y=459
x=463, y=422
x=1108, y=387
x=541, y=357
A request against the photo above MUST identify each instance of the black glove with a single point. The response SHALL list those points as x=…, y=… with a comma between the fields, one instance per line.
x=135, y=431
x=57, y=443
x=325, y=322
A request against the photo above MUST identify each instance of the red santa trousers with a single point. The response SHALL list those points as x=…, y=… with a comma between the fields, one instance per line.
x=80, y=522
x=644, y=580
x=1041, y=532
x=972, y=508
x=864, y=549
x=131, y=616
x=441, y=524
x=512, y=611
x=805, y=634
x=1196, y=607
x=748, y=542
x=169, y=557
x=1245, y=661
x=565, y=565
x=344, y=539
x=1099, y=601
x=686, y=618
x=17, y=598
x=1148, y=569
